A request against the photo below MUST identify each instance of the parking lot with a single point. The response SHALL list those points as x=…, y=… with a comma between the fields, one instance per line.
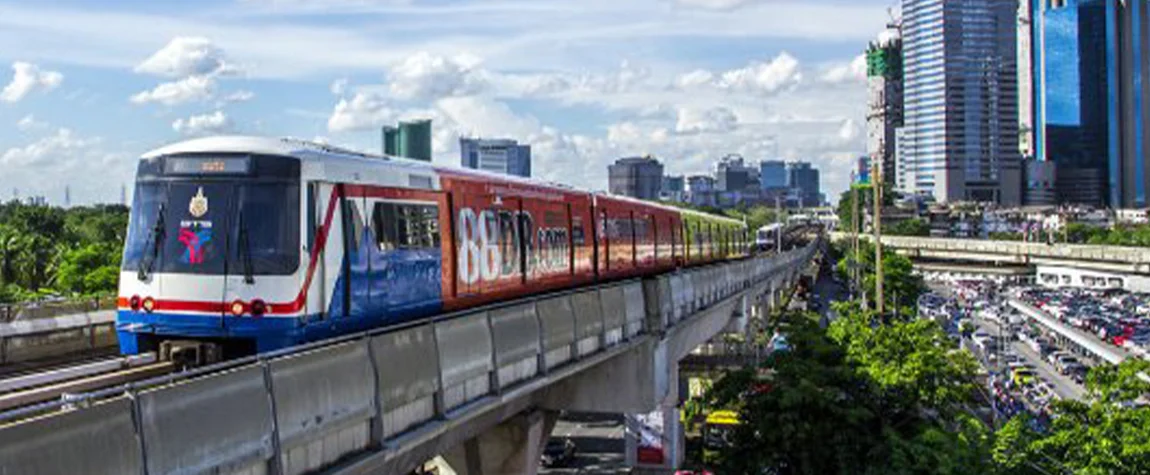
x=1028, y=365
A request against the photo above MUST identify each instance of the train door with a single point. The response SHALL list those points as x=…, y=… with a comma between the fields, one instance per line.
x=405, y=259
x=324, y=240
x=355, y=290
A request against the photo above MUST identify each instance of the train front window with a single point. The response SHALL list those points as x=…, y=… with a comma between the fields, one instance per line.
x=195, y=227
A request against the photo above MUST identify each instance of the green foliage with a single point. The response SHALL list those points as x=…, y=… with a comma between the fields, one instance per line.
x=1105, y=434
x=1004, y=236
x=909, y=227
x=901, y=287
x=88, y=270
x=913, y=358
x=74, y=251
x=834, y=409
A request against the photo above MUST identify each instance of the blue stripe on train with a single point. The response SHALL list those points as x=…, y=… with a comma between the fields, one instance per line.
x=402, y=285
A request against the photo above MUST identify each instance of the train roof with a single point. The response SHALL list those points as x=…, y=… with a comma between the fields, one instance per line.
x=313, y=150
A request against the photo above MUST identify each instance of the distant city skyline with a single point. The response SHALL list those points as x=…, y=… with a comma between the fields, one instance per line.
x=681, y=79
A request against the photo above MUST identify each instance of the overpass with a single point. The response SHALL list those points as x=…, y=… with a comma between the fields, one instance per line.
x=482, y=387
x=1129, y=260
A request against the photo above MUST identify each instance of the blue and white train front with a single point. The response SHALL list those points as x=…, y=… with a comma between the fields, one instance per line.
x=214, y=253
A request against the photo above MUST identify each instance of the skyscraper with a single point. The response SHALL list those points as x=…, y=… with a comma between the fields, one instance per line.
x=960, y=141
x=733, y=174
x=637, y=177
x=1133, y=90
x=411, y=139
x=1090, y=98
x=804, y=178
x=885, y=98
x=496, y=155
x=772, y=174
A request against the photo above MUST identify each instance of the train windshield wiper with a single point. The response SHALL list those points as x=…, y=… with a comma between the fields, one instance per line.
x=246, y=251
x=154, y=239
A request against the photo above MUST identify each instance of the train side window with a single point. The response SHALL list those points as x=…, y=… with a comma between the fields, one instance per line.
x=405, y=226
x=354, y=223
x=383, y=224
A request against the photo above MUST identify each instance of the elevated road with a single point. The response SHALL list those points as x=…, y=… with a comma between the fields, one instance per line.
x=1131, y=260
x=483, y=387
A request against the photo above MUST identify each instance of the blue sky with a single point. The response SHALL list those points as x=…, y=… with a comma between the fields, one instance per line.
x=86, y=87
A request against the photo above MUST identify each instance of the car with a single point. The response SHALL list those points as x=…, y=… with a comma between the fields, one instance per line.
x=559, y=451
x=1024, y=376
x=1053, y=357
x=1077, y=373
x=1064, y=362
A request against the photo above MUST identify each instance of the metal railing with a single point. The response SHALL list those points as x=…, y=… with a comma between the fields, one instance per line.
x=303, y=409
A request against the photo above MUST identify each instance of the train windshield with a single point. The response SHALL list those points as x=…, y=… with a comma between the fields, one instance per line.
x=214, y=227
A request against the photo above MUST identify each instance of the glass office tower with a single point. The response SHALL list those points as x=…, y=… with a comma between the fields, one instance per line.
x=1090, y=91
x=960, y=139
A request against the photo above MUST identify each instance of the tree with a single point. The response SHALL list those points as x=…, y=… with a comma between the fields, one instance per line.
x=908, y=227
x=89, y=269
x=1105, y=434
x=834, y=409
x=901, y=287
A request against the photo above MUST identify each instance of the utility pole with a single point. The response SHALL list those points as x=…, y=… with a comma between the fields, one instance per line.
x=876, y=182
x=854, y=261
x=778, y=228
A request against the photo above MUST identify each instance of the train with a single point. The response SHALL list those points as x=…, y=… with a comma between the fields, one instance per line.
x=240, y=245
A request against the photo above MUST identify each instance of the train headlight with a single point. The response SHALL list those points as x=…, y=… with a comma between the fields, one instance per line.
x=149, y=304
x=238, y=308
x=134, y=303
x=259, y=308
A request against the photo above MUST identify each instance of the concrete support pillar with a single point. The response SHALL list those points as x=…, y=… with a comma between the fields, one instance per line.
x=511, y=447
x=654, y=441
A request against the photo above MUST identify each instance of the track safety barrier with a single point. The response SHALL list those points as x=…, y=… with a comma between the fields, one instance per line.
x=306, y=409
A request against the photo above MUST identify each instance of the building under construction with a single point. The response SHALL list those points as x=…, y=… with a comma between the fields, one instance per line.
x=884, y=100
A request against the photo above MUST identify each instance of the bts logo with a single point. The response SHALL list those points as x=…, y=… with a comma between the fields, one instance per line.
x=194, y=242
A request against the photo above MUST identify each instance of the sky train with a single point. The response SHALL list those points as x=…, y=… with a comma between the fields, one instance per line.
x=252, y=244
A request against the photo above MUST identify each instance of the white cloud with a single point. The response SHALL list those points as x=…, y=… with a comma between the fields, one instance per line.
x=363, y=111
x=780, y=73
x=696, y=78
x=695, y=120
x=186, y=56
x=713, y=4
x=238, y=96
x=204, y=124
x=854, y=71
x=849, y=130
x=29, y=123
x=427, y=76
x=57, y=148
x=27, y=78
x=339, y=86
x=189, y=89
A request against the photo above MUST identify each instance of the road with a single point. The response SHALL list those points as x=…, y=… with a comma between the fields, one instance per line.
x=1063, y=386
x=828, y=290
x=599, y=442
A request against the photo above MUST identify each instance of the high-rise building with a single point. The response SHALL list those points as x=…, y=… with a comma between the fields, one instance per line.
x=804, y=179
x=960, y=141
x=772, y=174
x=637, y=177
x=733, y=174
x=1133, y=90
x=411, y=139
x=1025, y=58
x=674, y=188
x=496, y=155
x=1090, y=98
x=885, y=98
